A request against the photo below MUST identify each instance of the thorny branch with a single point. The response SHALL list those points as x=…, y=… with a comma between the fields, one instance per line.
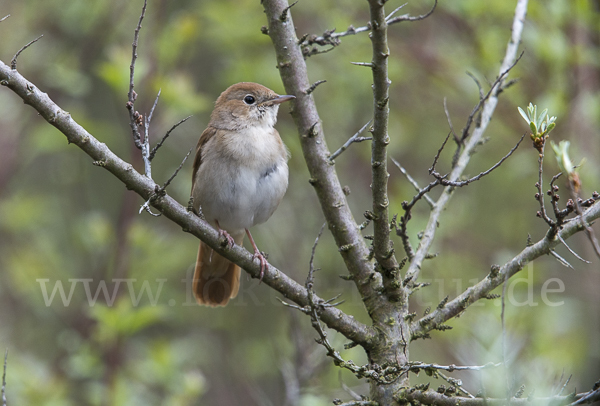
x=496, y=88
x=413, y=182
x=323, y=177
x=135, y=119
x=354, y=138
x=497, y=275
x=142, y=185
x=138, y=121
x=332, y=38
x=314, y=308
x=442, y=180
x=160, y=143
x=446, y=397
x=470, y=143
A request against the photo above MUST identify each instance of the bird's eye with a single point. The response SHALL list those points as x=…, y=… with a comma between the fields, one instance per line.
x=249, y=99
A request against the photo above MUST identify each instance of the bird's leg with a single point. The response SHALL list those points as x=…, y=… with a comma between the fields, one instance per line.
x=259, y=255
x=223, y=233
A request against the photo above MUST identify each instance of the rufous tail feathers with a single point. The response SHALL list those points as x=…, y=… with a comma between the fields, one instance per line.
x=216, y=279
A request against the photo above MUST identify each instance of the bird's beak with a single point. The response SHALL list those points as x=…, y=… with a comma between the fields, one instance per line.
x=281, y=99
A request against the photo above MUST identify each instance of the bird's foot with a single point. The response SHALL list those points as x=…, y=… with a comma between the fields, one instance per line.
x=261, y=257
x=263, y=263
x=228, y=240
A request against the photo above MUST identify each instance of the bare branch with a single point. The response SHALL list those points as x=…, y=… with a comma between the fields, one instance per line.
x=561, y=260
x=407, y=17
x=487, y=110
x=413, y=182
x=331, y=37
x=497, y=275
x=161, y=142
x=13, y=62
x=571, y=251
x=323, y=176
x=445, y=182
x=438, y=153
x=431, y=397
x=314, y=86
x=190, y=222
x=384, y=254
x=450, y=121
x=354, y=138
x=589, y=397
x=135, y=120
x=417, y=366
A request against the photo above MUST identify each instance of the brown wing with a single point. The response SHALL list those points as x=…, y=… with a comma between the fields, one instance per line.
x=206, y=135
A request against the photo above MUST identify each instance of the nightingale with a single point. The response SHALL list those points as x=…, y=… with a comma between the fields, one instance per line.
x=239, y=177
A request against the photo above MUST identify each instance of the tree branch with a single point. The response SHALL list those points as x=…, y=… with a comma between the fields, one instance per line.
x=330, y=37
x=341, y=223
x=145, y=187
x=487, y=110
x=13, y=62
x=384, y=254
x=431, y=397
x=497, y=276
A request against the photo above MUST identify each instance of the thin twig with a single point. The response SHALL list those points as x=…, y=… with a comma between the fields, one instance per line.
x=134, y=116
x=360, y=403
x=446, y=182
x=160, y=143
x=495, y=89
x=407, y=17
x=413, y=182
x=390, y=15
x=149, y=116
x=561, y=260
x=456, y=383
x=417, y=366
x=387, y=376
x=145, y=143
x=438, y=153
x=487, y=111
x=354, y=138
x=159, y=192
x=571, y=251
x=564, y=386
x=333, y=38
x=589, y=397
x=13, y=62
x=540, y=194
x=177, y=170
x=4, y=18
x=450, y=121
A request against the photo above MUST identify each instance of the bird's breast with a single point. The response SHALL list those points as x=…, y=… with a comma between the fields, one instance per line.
x=241, y=185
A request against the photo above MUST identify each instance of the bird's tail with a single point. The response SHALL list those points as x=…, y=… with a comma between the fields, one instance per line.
x=216, y=279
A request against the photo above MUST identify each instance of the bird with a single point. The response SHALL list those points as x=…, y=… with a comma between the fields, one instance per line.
x=240, y=175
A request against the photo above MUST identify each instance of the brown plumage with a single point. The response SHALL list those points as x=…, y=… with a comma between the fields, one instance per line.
x=239, y=177
x=216, y=280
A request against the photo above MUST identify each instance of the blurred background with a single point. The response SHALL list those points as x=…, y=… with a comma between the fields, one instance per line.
x=69, y=229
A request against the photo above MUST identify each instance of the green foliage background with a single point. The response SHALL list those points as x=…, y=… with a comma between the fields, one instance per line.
x=62, y=218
